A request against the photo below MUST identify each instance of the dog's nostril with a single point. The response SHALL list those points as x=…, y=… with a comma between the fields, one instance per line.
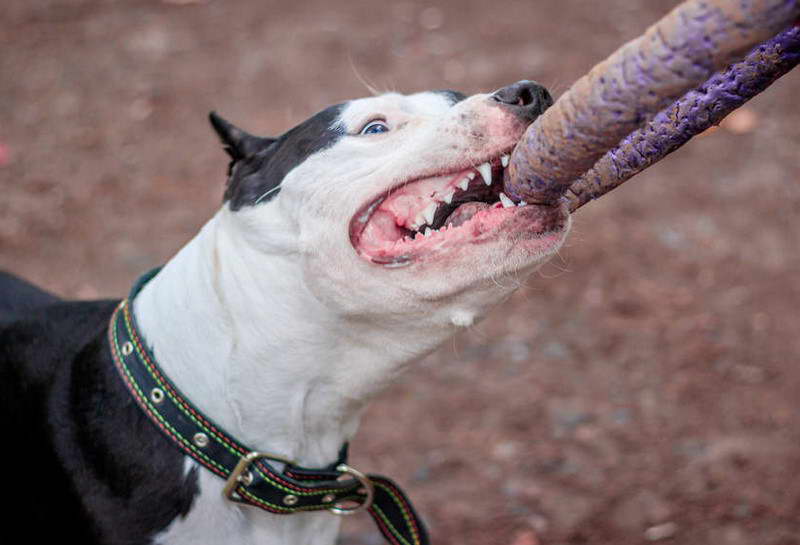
x=525, y=97
x=529, y=96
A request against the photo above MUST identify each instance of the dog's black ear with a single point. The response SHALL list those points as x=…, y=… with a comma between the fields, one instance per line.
x=238, y=143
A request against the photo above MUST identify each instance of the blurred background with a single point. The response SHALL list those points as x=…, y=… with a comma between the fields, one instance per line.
x=642, y=387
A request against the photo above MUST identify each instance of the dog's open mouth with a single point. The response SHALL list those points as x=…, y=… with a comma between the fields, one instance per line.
x=425, y=215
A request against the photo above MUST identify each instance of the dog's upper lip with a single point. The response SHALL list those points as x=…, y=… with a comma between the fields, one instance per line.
x=411, y=218
x=484, y=167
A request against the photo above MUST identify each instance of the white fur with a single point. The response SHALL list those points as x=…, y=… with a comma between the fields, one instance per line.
x=274, y=327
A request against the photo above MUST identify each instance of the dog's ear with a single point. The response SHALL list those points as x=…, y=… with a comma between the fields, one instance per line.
x=238, y=143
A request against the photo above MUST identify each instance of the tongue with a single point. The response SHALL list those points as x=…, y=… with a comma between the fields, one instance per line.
x=465, y=212
x=380, y=229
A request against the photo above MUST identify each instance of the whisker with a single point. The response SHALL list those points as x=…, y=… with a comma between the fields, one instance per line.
x=276, y=188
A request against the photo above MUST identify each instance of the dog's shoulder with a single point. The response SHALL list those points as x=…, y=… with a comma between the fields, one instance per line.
x=18, y=297
x=100, y=463
x=38, y=332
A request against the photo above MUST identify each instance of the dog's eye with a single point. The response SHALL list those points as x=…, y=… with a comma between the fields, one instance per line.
x=375, y=127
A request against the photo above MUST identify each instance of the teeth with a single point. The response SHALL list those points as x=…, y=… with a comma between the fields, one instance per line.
x=471, y=175
x=464, y=184
x=448, y=197
x=507, y=203
x=504, y=161
x=427, y=231
x=522, y=203
x=429, y=212
x=486, y=171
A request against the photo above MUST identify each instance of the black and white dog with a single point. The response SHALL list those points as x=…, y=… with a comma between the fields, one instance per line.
x=346, y=249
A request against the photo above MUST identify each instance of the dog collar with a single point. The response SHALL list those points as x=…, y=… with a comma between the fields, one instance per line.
x=250, y=476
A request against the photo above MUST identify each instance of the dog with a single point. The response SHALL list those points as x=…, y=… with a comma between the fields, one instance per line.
x=346, y=249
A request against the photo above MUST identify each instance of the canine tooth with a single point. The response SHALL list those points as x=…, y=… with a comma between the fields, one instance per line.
x=504, y=161
x=486, y=171
x=429, y=212
x=507, y=203
x=448, y=197
x=464, y=184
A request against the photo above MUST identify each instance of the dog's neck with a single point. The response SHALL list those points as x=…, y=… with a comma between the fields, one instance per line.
x=240, y=334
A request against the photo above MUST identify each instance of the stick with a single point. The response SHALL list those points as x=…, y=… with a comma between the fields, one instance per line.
x=690, y=115
x=620, y=94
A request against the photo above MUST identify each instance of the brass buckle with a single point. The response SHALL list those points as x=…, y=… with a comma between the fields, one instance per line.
x=242, y=475
x=369, y=489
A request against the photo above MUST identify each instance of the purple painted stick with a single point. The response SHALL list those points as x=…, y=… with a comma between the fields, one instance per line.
x=620, y=94
x=690, y=115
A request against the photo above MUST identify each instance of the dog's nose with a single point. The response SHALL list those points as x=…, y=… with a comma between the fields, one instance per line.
x=527, y=99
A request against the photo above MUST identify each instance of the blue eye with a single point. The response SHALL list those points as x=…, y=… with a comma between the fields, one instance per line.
x=375, y=127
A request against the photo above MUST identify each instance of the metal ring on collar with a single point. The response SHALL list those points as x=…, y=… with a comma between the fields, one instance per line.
x=239, y=476
x=368, y=487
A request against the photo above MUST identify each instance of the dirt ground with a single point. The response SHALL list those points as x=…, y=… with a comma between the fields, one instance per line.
x=643, y=387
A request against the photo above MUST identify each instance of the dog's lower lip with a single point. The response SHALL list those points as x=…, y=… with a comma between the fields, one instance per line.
x=397, y=261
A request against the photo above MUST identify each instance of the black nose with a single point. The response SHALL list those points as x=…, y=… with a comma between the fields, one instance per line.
x=527, y=99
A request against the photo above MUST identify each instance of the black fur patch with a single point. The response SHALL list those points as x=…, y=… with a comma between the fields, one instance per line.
x=257, y=178
x=19, y=296
x=454, y=96
x=83, y=463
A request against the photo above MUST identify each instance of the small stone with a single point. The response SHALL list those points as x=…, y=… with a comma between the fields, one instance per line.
x=525, y=537
x=621, y=416
x=140, y=109
x=661, y=531
x=431, y=18
x=519, y=351
x=539, y=523
x=743, y=510
x=587, y=433
x=505, y=450
x=741, y=121
x=749, y=374
x=555, y=350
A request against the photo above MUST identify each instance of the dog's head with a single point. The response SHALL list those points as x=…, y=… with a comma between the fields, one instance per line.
x=393, y=203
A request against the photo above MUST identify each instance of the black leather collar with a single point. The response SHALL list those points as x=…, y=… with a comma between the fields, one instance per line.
x=250, y=475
